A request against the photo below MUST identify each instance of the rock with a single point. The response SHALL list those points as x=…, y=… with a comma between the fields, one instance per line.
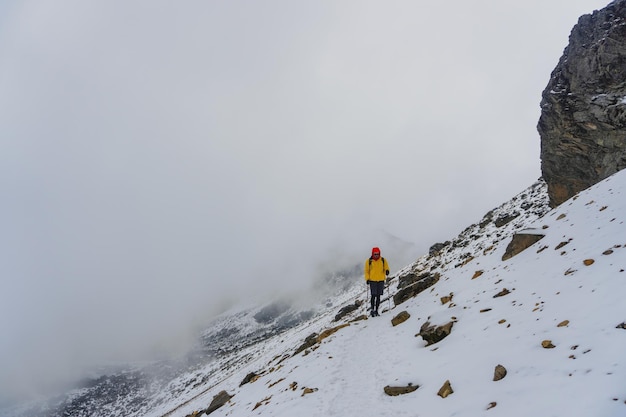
x=499, y=373
x=437, y=247
x=564, y=323
x=445, y=390
x=433, y=334
x=446, y=299
x=502, y=293
x=621, y=326
x=328, y=332
x=395, y=391
x=519, y=243
x=491, y=405
x=219, y=400
x=400, y=318
x=347, y=310
x=411, y=278
x=414, y=289
x=588, y=262
x=506, y=218
x=547, y=344
x=310, y=341
x=251, y=377
x=477, y=274
x=583, y=113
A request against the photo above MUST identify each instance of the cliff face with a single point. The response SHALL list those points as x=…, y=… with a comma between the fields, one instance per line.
x=583, y=108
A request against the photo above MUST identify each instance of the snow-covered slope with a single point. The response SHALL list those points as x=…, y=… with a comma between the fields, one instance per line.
x=565, y=292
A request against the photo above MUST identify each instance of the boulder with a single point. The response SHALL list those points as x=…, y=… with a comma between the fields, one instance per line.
x=400, y=318
x=218, y=401
x=433, y=334
x=521, y=242
x=426, y=281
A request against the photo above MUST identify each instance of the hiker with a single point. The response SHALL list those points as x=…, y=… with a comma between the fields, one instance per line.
x=376, y=271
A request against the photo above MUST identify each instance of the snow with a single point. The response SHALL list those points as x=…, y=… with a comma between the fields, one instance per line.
x=583, y=375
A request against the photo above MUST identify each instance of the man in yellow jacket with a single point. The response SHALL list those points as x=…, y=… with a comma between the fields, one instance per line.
x=376, y=271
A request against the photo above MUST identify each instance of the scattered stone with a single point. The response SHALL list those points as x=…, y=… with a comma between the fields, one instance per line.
x=588, y=262
x=607, y=252
x=306, y=391
x=445, y=390
x=560, y=245
x=621, y=326
x=433, y=334
x=264, y=401
x=446, y=299
x=395, y=391
x=499, y=373
x=547, y=344
x=400, y=318
x=491, y=405
x=519, y=243
x=477, y=274
x=484, y=310
x=561, y=216
x=219, y=400
x=502, y=293
x=564, y=323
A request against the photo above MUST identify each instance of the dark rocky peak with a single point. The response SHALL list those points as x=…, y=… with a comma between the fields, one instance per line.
x=583, y=107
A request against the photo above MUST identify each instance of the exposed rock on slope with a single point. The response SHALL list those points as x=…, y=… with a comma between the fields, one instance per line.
x=583, y=109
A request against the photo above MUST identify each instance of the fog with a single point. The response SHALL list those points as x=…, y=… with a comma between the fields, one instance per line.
x=162, y=160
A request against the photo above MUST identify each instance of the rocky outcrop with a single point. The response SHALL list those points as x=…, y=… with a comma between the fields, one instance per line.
x=411, y=290
x=583, y=108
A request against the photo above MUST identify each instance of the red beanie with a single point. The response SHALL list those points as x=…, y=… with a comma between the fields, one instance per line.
x=375, y=250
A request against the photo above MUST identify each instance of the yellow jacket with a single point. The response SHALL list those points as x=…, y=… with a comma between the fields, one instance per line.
x=376, y=270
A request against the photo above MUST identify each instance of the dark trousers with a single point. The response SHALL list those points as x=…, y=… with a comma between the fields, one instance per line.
x=376, y=289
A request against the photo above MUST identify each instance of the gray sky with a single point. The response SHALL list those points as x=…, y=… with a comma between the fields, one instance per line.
x=161, y=159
